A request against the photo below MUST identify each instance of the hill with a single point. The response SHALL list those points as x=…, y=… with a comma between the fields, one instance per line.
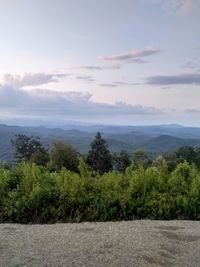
x=154, y=139
x=166, y=143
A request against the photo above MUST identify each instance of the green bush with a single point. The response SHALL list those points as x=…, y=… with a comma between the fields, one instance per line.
x=33, y=194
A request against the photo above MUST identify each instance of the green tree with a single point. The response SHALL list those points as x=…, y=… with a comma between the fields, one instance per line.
x=161, y=164
x=140, y=159
x=40, y=157
x=64, y=155
x=197, y=159
x=99, y=157
x=171, y=160
x=186, y=153
x=121, y=161
x=83, y=169
x=26, y=146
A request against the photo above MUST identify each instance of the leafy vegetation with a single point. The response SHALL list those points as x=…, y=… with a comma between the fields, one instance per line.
x=166, y=187
x=64, y=155
x=29, y=148
x=99, y=157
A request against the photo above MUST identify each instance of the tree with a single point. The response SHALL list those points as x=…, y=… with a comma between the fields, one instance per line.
x=141, y=158
x=186, y=153
x=64, y=155
x=99, y=157
x=161, y=164
x=84, y=169
x=197, y=160
x=171, y=160
x=121, y=161
x=40, y=157
x=26, y=146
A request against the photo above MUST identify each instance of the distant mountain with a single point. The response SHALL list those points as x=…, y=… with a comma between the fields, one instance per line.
x=155, y=139
x=153, y=131
x=166, y=143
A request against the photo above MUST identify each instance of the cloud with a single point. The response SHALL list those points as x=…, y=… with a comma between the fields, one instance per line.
x=179, y=6
x=175, y=6
x=193, y=111
x=90, y=67
x=116, y=84
x=85, y=78
x=30, y=79
x=192, y=64
x=137, y=60
x=108, y=84
x=188, y=78
x=126, y=83
x=94, y=67
x=166, y=87
x=133, y=56
x=137, y=109
x=63, y=105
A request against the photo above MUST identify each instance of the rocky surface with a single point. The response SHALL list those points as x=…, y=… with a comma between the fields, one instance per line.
x=133, y=243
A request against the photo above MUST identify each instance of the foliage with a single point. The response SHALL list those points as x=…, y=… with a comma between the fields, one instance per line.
x=67, y=190
x=184, y=153
x=40, y=157
x=64, y=155
x=99, y=157
x=31, y=193
x=121, y=161
x=140, y=158
x=29, y=147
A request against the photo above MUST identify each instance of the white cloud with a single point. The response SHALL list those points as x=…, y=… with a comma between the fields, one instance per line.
x=45, y=103
x=30, y=79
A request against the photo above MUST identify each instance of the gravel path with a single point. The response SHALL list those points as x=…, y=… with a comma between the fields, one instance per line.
x=136, y=243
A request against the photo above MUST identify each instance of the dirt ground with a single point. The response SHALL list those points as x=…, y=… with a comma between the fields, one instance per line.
x=133, y=243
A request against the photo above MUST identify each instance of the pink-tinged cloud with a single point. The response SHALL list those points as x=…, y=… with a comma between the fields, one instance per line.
x=181, y=7
x=133, y=56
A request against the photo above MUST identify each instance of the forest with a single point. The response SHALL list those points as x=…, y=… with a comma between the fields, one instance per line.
x=61, y=185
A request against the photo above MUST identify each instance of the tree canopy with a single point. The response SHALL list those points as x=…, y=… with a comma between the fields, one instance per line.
x=121, y=161
x=29, y=148
x=64, y=155
x=99, y=157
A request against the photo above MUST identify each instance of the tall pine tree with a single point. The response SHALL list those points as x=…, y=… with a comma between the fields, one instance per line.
x=99, y=157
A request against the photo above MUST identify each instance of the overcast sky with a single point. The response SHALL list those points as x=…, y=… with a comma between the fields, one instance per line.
x=107, y=61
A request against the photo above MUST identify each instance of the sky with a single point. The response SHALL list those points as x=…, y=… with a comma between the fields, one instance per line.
x=130, y=62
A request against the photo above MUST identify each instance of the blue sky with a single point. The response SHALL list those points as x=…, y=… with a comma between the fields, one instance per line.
x=108, y=61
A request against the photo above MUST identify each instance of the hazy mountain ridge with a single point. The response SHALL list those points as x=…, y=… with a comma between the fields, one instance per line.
x=155, y=139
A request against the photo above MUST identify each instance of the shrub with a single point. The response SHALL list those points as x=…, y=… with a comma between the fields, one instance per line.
x=32, y=194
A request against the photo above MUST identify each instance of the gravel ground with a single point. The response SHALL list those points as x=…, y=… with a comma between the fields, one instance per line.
x=133, y=243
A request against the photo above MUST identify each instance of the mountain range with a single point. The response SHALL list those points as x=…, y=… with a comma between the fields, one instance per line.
x=154, y=139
